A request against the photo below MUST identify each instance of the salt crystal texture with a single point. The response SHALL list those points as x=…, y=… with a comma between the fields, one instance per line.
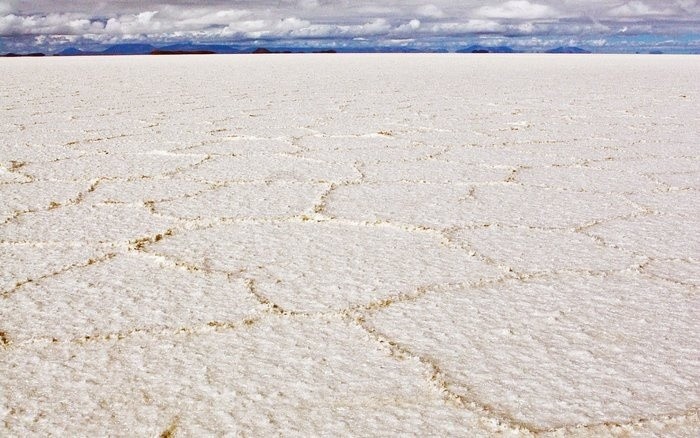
x=432, y=245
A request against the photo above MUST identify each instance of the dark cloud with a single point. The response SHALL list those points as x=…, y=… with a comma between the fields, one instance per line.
x=59, y=22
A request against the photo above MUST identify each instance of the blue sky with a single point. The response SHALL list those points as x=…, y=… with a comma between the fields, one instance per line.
x=603, y=25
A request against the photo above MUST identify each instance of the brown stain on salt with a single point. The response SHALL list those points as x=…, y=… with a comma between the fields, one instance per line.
x=169, y=432
x=5, y=341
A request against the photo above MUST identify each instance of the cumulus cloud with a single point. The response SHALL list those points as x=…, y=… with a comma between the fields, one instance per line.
x=517, y=9
x=52, y=21
x=52, y=24
x=409, y=27
x=468, y=27
x=7, y=6
x=430, y=11
x=637, y=8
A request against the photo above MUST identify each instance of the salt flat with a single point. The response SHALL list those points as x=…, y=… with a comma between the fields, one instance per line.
x=443, y=245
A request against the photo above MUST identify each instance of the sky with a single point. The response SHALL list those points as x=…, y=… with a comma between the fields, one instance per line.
x=531, y=25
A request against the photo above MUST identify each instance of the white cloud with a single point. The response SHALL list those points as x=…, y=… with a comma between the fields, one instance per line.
x=372, y=10
x=291, y=24
x=308, y=4
x=389, y=20
x=637, y=8
x=517, y=9
x=52, y=24
x=409, y=27
x=430, y=11
x=296, y=28
x=7, y=7
x=244, y=27
x=471, y=26
x=142, y=23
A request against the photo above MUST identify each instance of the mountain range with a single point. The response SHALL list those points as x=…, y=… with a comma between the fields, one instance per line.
x=146, y=49
x=567, y=49
x=486, y=49
x=193, y=48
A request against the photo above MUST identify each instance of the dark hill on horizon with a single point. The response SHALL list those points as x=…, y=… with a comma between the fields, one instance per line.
x=184, y=49
x=567, y=49
x=486, y=49
x=22, y=55
x=72, y=51
x=129, y=49
x=118, y=49
x=182, y=52
x=190, y=47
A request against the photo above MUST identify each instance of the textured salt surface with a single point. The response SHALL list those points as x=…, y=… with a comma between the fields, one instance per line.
x=350, y=245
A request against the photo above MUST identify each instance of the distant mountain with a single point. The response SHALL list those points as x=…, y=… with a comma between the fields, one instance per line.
x=378, y=49
x=182, y=52
x=193, y=48
x=486, y=49
x=187, y=48
x=265, y=50
x=567, y=49
x=190, y=47
x=397, y=50
x=128, y=49
x=72, y=51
